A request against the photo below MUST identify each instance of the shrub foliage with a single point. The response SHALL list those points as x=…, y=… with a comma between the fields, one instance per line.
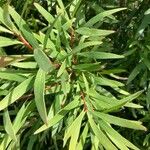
x=74, y=74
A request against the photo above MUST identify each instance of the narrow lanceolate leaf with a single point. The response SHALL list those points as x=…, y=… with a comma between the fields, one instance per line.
x=8, y=125
x=44, y=13
x=18, y=123
x=93, y=32
x=39, y=88
x=62, y=68
x=120, y=121
x=144, y=24
x=84, y=45
x=83, y=136
x=16, y=93
x=42, y=60
x=119, y=140
x=135, y=72
x=123, y=101
x=5, y=30
x=101, y=16
x=100, y=55
x=24, y=28
x=7, y=42
x=12, y=76
x=60, y=115
x=100, y=135
x=73, y=132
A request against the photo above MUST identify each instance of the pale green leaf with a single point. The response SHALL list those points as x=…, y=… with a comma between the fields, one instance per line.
x=8, y=42
x=120, y=141
x=73, y=132
x=16, y=93
x=60, y=115
x=100, y=135
x=8, y=125
x=42, y=60
x=120, y=121
x=39, y=88
x=93, y=32
x=100, y=55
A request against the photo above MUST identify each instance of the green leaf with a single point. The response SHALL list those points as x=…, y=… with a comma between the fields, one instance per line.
x=120, y=121
x=144, y=24
x=61, y=69
x=42, y=60
x=8, y=125
x=24, y=28
x=135, y=72
x=101, y=16
x=60, y=115
x=84, y=45
x=18, y=123
x=107, y=82
x=8, y=42
x=124, y=101
x=11, y=76
x=100, y=135
x=16, y=93
x=120, y=141
x=73, y=132
x=100, y=55
x=87, y=67
x=44, y=13
x=2, y=29
x=25, y=65
x=39, y=88
x=93, y=32
x=83, y=136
